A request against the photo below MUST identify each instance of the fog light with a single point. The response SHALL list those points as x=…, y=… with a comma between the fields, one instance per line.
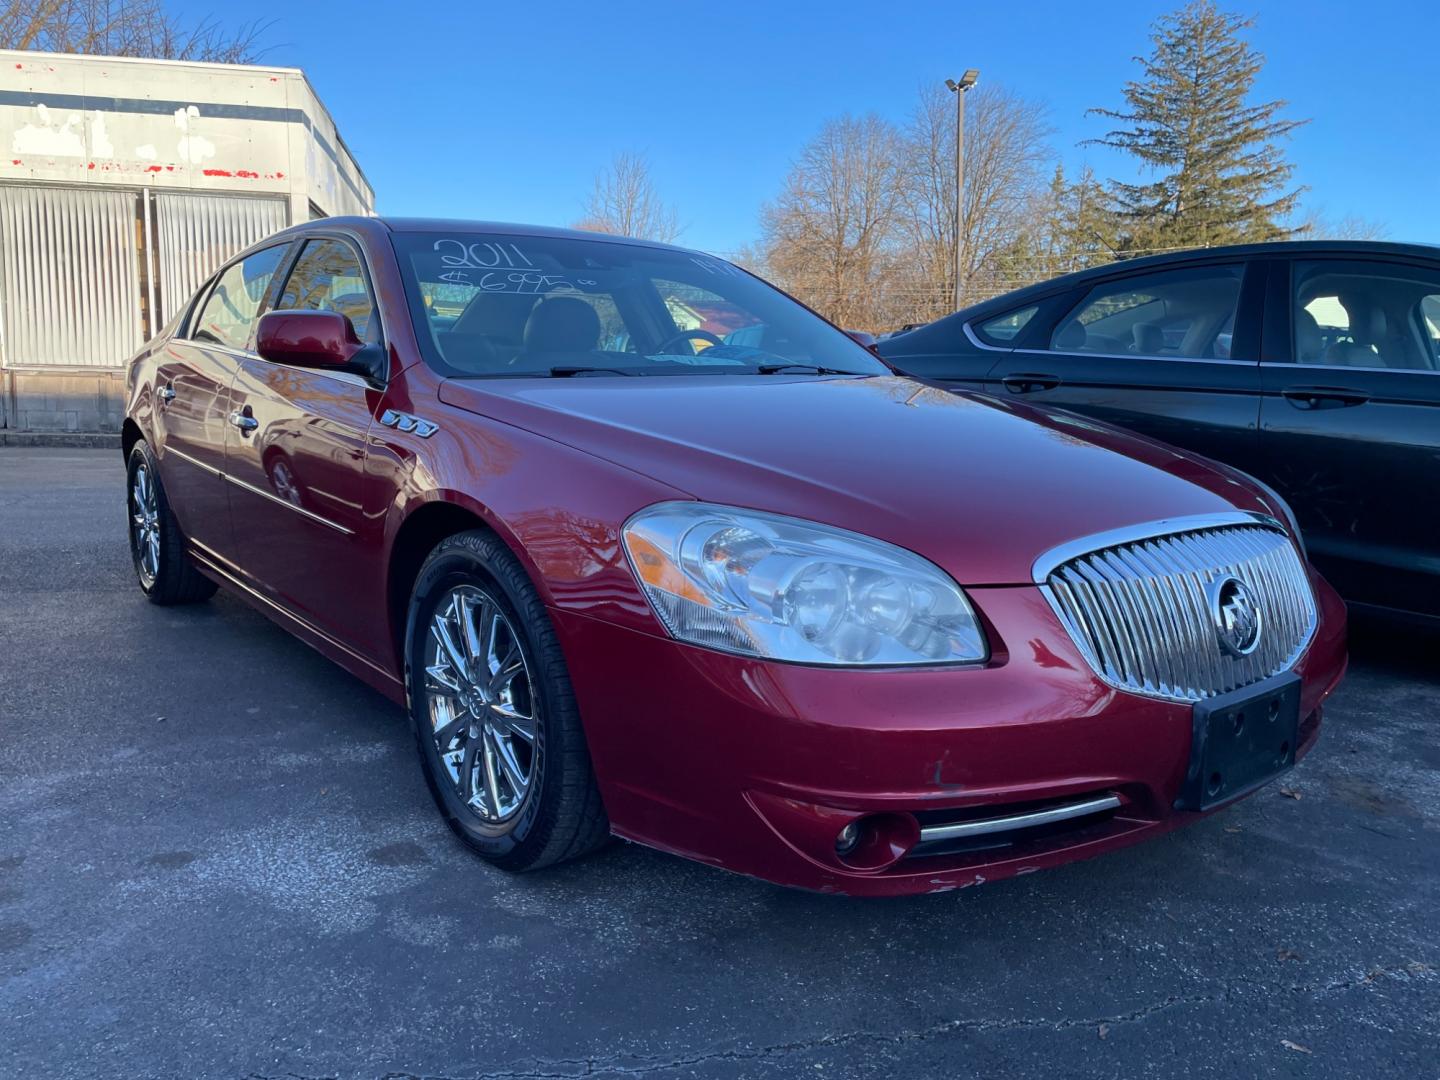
x=848, y=840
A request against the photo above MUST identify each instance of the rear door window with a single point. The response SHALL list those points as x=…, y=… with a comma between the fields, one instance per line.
x=1353, y=314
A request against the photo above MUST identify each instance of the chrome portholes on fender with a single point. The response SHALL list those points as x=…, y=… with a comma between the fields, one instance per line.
x=481, y=704
x=409, y=424
x=145, y=524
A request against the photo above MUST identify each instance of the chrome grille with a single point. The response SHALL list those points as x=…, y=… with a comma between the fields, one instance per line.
x=1141, y=611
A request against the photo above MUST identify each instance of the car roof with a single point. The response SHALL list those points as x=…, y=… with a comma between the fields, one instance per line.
x=1272, y=249
x=463, y=225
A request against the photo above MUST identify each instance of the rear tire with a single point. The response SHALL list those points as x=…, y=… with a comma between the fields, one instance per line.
x=157, y=547
x=493, y=711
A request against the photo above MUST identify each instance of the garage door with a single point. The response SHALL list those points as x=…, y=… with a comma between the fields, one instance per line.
x=199, y=232
x=69, y=276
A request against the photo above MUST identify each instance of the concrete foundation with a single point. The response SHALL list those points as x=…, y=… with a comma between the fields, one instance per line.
x=58, y=402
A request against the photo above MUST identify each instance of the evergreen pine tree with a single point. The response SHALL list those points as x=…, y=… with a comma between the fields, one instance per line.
x=1223, y=177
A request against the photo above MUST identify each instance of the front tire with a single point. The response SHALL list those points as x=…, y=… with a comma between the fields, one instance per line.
x=493, y=712
x=157, y=547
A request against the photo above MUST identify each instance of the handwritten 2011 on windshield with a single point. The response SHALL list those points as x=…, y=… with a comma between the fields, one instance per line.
x=503, y=267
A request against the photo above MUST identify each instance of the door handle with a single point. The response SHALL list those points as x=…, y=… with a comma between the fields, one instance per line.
x=166, y=393
x=1028, y=382
x=244, y=421
x=1323, y=397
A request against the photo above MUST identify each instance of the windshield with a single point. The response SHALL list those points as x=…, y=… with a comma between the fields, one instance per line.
x=516, y=305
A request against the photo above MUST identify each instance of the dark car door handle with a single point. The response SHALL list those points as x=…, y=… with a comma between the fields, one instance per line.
x=1323, y=397
x=1028, y=382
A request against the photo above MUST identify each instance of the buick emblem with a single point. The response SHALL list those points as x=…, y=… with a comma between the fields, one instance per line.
x=1236, y=616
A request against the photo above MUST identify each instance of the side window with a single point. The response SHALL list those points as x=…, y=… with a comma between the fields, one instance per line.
x=1366, y=314
x=230, y=312
x=328, y=277
x=1187, y=313
x=1003, y=329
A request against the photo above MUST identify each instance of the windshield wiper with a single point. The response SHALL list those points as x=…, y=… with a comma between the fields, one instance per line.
x=816, y=369
x=570, y=372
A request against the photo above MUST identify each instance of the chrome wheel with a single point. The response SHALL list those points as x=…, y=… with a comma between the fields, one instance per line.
x=145, y=524
x=481, y=703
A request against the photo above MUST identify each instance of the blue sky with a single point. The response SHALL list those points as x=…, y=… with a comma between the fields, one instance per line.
x=506, y=110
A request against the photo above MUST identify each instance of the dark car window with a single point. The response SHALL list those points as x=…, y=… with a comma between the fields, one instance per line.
x=498, y=304
x=1366, y=314
x=1187, y=313
x=1003, y=329
x=230, y=311
x=328, y=277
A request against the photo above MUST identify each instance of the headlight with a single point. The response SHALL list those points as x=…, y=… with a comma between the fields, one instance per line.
x=765, y=585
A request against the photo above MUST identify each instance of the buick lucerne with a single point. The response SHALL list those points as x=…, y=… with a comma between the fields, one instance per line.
x=645, y=547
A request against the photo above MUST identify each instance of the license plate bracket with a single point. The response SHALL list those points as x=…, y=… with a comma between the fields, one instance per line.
x=1241, y=741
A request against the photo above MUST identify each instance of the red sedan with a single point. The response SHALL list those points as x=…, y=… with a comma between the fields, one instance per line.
x=728, y=587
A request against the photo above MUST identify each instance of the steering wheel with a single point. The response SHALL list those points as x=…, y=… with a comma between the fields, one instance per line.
x=686, y=335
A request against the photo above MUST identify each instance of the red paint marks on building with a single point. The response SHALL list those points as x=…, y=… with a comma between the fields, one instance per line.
x=14, y=161
x=152, y=168
x=217, y=172
x=91, y=165
x=19, y=67
x=246, y=174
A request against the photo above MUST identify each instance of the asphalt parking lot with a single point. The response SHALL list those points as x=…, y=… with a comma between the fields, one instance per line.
x=218, y=859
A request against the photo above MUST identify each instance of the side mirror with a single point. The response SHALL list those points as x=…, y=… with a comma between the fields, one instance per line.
x=868, y=340
x=319, y=339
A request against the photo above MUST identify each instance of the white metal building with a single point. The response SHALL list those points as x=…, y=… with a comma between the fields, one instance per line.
x=123, y=184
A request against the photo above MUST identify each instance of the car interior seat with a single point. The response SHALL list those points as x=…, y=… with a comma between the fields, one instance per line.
x=561, y=324
x=489, y=333
x=1070, y=337
x=1148, y=339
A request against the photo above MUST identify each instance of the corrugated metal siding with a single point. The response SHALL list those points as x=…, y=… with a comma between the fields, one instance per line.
x=196, y=233
x=69, y=276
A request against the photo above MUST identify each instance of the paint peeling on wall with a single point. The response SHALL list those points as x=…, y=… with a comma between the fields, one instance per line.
x=50, y=136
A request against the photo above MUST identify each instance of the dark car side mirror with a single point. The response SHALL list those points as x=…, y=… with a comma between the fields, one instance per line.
x=319, y=339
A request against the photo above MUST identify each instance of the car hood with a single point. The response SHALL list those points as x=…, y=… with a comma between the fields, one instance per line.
x=978, y=485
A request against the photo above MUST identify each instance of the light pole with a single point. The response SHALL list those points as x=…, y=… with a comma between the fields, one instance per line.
x=967, y=80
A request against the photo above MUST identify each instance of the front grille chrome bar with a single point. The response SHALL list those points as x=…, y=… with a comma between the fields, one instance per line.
x=964, y=830
x=1140, y=605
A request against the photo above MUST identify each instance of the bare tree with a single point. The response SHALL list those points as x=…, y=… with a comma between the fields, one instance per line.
x=123, y=28
x=1315, y=224
x=625, y=203
x=1006, y=158
x=830, y=237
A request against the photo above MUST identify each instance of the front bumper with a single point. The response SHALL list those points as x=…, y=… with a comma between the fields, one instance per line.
x=755, y=766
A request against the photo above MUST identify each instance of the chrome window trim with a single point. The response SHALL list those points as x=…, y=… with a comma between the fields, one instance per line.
x=1048, y=561
x=979, y=344
x=240, y=354
x=1349, y=367
x=1131, y=356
